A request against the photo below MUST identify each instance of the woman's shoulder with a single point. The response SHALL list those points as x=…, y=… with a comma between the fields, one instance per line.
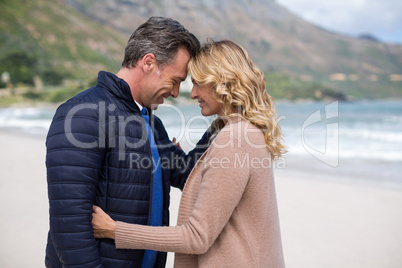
x=239, y=132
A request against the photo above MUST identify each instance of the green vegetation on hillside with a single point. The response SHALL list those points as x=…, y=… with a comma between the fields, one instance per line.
x=49, y=40
x=32, y=95
x=51, y=51
x=281, y=86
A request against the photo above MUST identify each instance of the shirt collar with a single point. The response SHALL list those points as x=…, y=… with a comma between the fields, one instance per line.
x=139, y=105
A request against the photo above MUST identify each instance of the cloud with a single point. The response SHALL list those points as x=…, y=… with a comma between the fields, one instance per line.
x=381, y=18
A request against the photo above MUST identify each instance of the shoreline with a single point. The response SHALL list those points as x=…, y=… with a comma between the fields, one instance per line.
x=335, y=224
x=325, y=222
x=349, y=170
x=184, y=101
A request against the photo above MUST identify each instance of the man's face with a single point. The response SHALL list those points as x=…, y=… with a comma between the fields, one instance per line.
x=165, y=82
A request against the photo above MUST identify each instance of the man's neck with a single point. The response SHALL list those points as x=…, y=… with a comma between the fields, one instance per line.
x=133, y=79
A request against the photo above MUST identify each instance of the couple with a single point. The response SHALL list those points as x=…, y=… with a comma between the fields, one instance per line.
x=228, y=213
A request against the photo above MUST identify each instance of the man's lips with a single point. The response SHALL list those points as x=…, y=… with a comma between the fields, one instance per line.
x=162, y=99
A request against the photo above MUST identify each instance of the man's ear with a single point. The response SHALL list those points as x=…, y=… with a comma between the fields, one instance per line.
x=148, y=62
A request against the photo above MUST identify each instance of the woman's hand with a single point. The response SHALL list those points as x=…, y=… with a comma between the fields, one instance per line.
x=104, y=226
x=176, y=143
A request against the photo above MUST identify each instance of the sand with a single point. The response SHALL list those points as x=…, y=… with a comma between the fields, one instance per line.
x=324, y=222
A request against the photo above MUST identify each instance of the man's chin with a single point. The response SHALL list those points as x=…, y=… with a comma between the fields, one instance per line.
x=155, y=106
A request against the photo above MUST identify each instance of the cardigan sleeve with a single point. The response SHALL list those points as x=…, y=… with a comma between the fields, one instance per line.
x=224, y=179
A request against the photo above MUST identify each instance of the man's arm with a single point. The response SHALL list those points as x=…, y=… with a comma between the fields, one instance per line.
x=73, y=163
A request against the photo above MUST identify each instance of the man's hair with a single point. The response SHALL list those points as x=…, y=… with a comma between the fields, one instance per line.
x=161, y=37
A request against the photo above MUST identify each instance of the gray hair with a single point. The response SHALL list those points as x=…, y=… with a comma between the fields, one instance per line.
x=161, y=37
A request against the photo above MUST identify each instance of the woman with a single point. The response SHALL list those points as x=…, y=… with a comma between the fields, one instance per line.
x=228, y=212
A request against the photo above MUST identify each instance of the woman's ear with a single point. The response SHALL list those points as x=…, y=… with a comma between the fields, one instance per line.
x=148, y=62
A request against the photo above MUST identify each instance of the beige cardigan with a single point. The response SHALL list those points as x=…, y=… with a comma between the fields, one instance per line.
x=228, y=214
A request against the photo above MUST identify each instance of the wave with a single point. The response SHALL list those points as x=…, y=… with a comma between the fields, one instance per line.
x=28, y=120
x=357, y=134
x=373, y=135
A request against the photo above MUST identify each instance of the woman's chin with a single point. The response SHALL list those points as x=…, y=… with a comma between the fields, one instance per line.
x=205, y=113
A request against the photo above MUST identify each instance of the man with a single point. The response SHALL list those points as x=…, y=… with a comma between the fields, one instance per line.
x=101, y=149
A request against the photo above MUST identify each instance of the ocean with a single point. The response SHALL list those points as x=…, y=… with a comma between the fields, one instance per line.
x=361, y=138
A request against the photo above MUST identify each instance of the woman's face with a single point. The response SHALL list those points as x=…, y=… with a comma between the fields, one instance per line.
x=208, y=104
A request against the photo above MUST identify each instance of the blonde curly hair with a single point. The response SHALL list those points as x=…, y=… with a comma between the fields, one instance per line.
x=239, y=86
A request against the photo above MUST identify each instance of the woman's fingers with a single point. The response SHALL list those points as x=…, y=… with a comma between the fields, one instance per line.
x=103, y=225
x=176, y=143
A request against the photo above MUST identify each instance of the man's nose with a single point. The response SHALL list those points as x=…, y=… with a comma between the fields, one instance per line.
x=175, y=91
x=194, y=93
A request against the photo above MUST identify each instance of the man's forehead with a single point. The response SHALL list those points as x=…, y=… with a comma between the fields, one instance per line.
x=179, y=71
x=179, y=65
x=182, y=76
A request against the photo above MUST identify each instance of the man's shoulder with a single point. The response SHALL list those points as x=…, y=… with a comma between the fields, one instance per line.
x=90, y=95
x=79, y=115
x=85, y=101
x=81, y=110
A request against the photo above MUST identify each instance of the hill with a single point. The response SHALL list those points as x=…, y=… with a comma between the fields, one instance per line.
x=50, y=37
x=74, y=39
x=277, y=40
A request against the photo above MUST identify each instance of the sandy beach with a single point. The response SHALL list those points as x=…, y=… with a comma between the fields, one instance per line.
x=324, y=222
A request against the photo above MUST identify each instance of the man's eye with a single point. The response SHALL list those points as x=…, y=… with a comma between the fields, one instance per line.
x=175, y=82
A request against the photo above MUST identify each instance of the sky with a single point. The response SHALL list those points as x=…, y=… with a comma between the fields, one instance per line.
x=380, y=18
